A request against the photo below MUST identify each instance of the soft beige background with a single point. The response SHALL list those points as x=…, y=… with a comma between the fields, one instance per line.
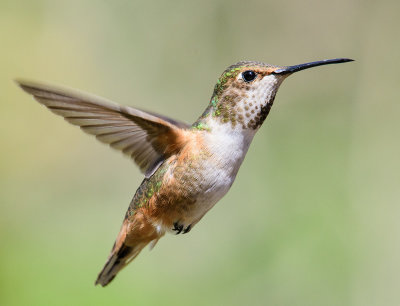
x=313, y=218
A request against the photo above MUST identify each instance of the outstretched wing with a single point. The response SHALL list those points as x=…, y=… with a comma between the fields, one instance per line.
x=147, y=138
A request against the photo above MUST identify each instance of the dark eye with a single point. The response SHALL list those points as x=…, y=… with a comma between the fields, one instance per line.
x=249, y=75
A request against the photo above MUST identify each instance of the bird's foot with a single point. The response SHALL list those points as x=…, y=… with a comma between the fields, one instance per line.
x=180, y=228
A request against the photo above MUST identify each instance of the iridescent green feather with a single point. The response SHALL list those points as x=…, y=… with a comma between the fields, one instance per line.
x=147, y=189
x=214, y=107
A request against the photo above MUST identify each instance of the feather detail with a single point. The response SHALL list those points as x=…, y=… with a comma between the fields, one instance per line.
x=145, y=137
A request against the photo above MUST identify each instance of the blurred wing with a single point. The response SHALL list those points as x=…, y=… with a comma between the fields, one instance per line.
x=147, y=138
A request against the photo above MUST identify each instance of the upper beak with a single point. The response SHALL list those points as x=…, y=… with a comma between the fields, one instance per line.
x=295, y=68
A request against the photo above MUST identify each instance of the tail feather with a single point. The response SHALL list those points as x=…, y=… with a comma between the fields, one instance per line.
x=117, y=260
x=133, y=237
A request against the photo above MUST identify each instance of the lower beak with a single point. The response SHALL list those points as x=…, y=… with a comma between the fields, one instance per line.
x=295, y=68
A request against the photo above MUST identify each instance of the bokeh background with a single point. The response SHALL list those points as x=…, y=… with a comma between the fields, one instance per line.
x=313, y=217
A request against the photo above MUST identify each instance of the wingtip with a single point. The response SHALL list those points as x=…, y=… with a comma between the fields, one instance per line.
x=26, y=84
x=23, y=82
x=20, y=82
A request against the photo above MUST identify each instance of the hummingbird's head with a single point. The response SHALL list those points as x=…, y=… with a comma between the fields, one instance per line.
x=245, y=92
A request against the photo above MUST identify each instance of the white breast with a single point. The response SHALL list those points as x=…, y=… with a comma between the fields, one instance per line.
x=227, y=147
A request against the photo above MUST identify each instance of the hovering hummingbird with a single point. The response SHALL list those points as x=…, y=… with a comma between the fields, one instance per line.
x=187, y=168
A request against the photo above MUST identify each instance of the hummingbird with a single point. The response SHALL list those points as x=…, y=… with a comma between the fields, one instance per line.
x=187, y=168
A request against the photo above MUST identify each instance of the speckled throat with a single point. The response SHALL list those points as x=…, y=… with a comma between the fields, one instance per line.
x=238, y=103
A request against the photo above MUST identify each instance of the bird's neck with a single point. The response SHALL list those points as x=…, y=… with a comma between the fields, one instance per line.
x=223, y=136
x=238, y=108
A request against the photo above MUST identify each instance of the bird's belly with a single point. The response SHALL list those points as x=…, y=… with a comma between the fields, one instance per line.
x=196, y=179
x=218, y=184
x=202, y=186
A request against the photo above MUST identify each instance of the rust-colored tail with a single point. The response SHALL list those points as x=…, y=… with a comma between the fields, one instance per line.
x=134, y=236
x=117, y=260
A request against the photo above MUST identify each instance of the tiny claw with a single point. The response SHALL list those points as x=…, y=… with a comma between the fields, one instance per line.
x=187, y=230
x=178, y=228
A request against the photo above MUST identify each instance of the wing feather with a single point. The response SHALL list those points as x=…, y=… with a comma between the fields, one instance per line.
x=145, y=137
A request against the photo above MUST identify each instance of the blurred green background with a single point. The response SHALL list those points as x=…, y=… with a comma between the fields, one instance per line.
x=313, y=217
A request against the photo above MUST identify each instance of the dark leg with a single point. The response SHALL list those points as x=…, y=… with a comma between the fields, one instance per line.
x=187, y=229
x=178, y=228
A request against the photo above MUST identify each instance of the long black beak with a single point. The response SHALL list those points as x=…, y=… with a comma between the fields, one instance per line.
x=295, y=68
